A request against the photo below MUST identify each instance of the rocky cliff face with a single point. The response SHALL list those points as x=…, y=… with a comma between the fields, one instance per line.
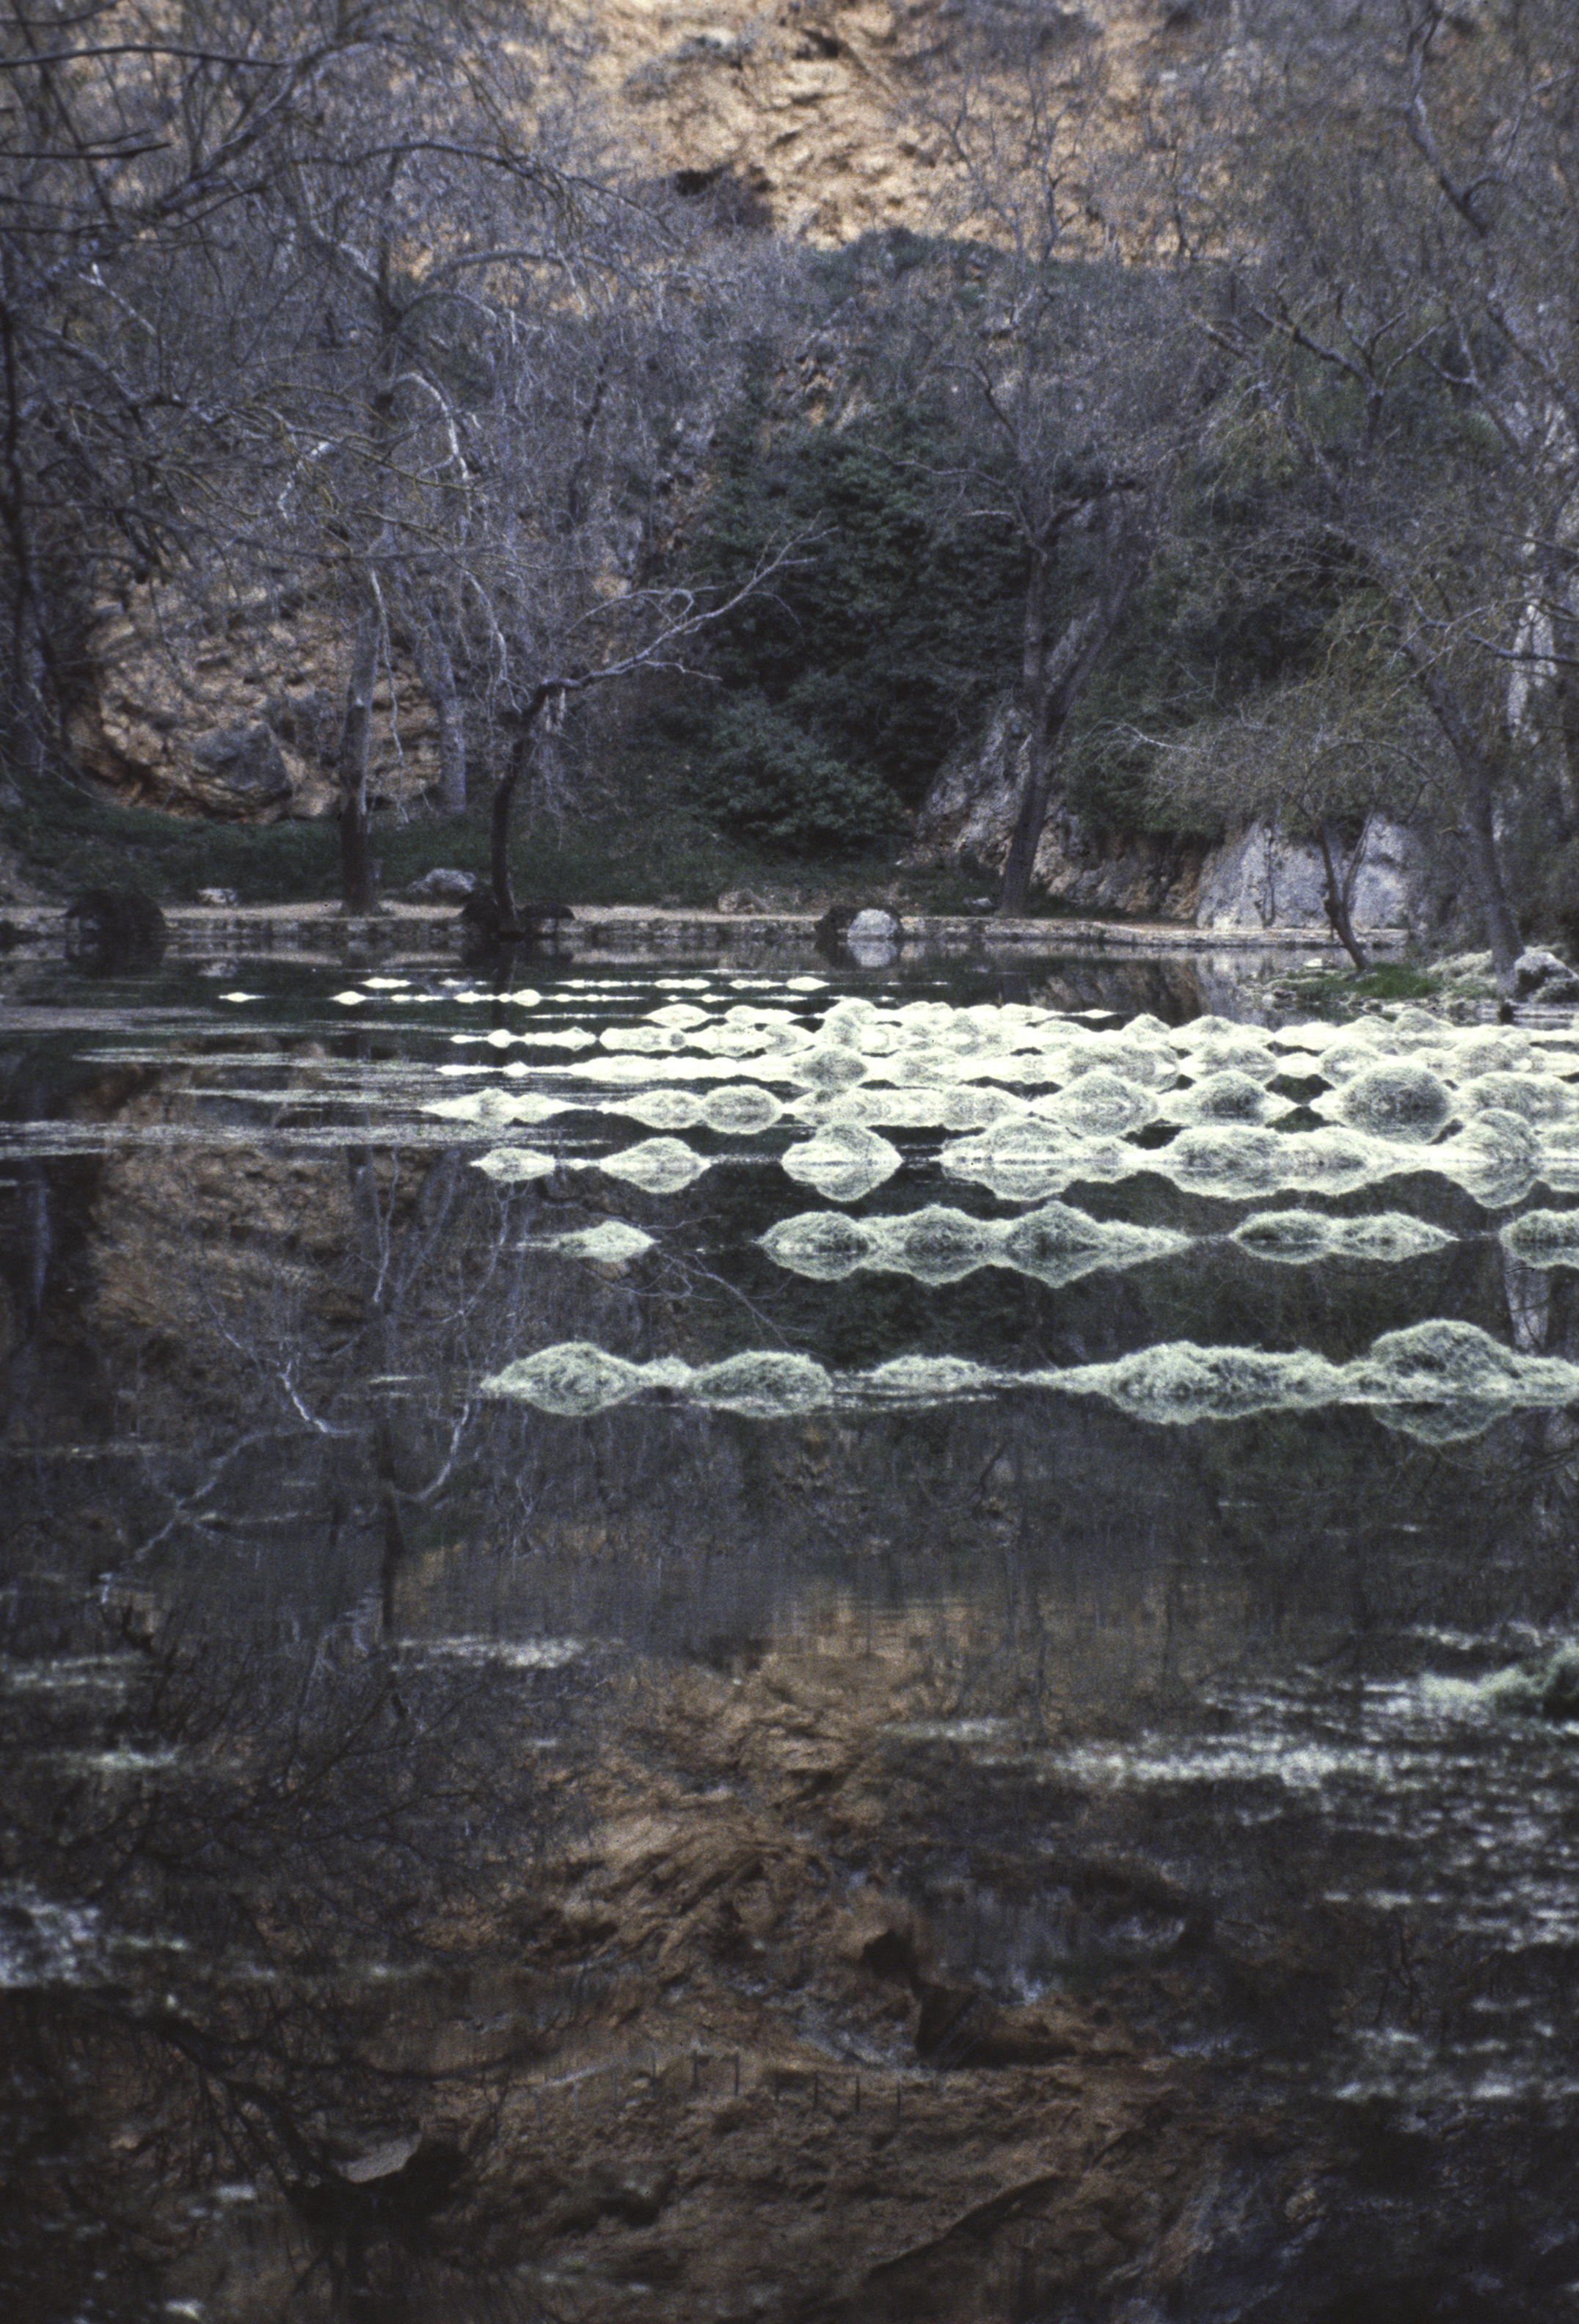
x=1260, y=878
x=969, y=814
x=246, y=728
x=801, y=116
x=802, y=113
x=1256, y=878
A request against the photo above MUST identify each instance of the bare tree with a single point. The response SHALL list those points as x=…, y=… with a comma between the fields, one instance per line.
x=134, y=147
x=1381, y=209
x=1324, y=756
x=347, y=311
x=1072, y=373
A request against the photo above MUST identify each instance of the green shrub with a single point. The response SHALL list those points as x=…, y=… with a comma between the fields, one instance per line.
x=71, y=840
x=880, y=643
x=763, y=777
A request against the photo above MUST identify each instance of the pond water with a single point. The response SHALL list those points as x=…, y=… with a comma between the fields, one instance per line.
x=1196, y=1382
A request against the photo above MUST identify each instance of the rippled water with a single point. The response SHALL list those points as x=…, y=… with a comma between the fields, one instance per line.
x=1210, y=1378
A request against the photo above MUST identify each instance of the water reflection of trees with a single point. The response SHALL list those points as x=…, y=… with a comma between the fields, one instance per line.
x=244, y=1884
x=285, y=1348
x=293, y=1832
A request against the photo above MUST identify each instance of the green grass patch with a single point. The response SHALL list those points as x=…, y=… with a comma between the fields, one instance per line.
x=645, y=853
x=1396, y=981
x=1336, y=989
x=69, y=840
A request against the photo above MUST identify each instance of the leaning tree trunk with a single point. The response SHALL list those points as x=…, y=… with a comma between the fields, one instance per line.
x=1486, y=872
x=1338, y=892
x=1480, y=831
x=435, y=670
x=548, y=697
x=358, y=880
x=504, y=917
x=1036, y=786
x=1053, y=678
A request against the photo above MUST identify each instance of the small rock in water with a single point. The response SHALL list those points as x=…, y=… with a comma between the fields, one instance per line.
x=1542, y=976
x=513, y=1165
x=824, y=1245
x=443, y=885
x=1552, y=1693
x=574, y=1380
x=1559, y=1686
x=218, y=899
x=1544, y=1238
x=843, y=1161
x=1394, y=1100
x=612, y=1244
x=762, y=1382
x=657, y=1166
x=871, y=938
x=873, y=926
x=109, y=928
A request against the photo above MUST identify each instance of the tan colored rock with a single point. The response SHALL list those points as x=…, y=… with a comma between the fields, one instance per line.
x=812, y=101
x=799, y=112
x=242, y=725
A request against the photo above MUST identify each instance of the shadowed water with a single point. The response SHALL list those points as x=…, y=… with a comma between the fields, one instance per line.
x=1203, y=1382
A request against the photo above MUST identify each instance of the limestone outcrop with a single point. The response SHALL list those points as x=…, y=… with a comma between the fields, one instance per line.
x=1541, y=977
x=245, y=730
x=1255, y=878
x=801, y=113
x=969, y=812
x=1261, y=878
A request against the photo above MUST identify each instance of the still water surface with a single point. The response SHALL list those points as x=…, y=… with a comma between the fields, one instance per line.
x=1200, y=1382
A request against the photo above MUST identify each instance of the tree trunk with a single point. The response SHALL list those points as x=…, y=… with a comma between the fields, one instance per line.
x=1479, y=792
x=25, y=719
x=1032, y=811
x=1049, y=719
x=359, y=881
x=435, y=670
x=550, y=692
x=1486, y=871
x=1054, y=681
x=499, y=841
x=1338, y=891
x=1566, y=646
x=23, y=722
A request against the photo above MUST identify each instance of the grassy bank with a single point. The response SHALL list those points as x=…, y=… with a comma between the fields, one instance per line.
x=66, y=840
x=1460, y=978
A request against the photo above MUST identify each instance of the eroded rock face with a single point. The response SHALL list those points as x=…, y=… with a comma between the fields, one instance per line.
x=1261, y=879
x=803, y=116
x=246, y=728
x=1255, y=879
x=240, y=771
x=1542, y=976
x=783, y=114
x=443, y=885
x=969, y=814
